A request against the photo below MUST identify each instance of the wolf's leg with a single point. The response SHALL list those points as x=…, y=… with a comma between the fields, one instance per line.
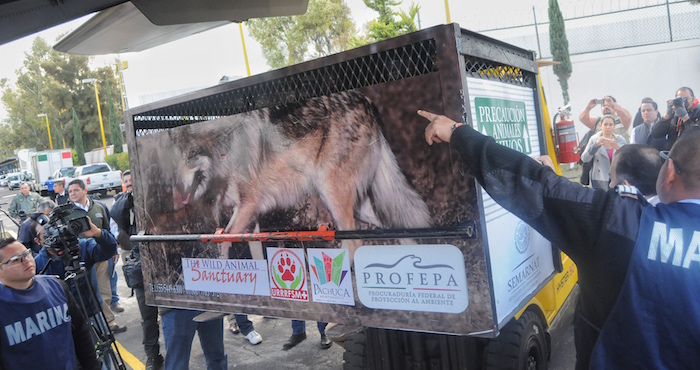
x=242, y=217
x=340, y=201
x=256, y=247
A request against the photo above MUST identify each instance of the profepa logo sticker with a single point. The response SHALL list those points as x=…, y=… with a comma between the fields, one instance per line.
x=429, y=278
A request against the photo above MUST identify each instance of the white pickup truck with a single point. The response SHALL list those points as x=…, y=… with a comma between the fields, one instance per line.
x=99, y=177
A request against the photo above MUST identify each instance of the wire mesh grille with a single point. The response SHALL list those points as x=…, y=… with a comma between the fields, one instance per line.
x=395, y=64
x=489, y=70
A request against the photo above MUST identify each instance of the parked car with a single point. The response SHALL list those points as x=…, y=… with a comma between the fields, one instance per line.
x=15, y=179
x=3, y=180
x=99, y=178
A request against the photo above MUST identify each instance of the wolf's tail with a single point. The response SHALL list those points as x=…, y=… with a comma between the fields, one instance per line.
x=396, y=203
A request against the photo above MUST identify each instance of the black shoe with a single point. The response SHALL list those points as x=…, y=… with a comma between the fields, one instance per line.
x=294, y=340
x=155, y=363
x=116, y=328
x=234, y=328
x=325, y=342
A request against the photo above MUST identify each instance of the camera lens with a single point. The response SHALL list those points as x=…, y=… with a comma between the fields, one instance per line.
x=74, y=227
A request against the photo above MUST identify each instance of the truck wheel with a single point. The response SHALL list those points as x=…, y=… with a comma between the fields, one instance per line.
x=520, y=346
x=354, y=355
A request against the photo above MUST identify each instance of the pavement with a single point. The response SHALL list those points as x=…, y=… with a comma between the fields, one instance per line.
x=241, y=354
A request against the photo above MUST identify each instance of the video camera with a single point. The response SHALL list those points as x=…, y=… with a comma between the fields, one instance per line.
x=61, y=234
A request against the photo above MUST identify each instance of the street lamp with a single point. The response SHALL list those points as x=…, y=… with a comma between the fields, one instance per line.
x=48, y=128
x=99, y=111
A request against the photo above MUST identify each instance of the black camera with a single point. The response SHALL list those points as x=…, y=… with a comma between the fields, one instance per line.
x=62, y=232
x=679, y=102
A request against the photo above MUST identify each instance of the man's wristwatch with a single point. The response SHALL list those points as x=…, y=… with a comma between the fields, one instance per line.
x=455, y=125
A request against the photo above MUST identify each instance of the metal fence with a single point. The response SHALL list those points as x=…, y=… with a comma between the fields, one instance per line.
x=593, y=26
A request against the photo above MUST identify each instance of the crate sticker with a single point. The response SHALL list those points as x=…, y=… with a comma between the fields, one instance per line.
x=504, y=120
x=429, y=278
x=330, y=276
x=226, y=276
x=288, y=274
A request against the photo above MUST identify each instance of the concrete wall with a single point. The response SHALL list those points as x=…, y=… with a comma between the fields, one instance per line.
x=629, y=75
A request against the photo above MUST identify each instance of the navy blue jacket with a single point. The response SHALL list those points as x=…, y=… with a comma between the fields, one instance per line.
x=596, y=228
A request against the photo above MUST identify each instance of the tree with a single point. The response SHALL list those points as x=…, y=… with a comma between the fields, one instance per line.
x=386, y=25
x=50, y=82
x=78, y=139
x=559, y=45
x=115, y=131
x=326, y=28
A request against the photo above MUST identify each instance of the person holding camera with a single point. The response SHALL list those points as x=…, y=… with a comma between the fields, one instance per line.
x=29, y=339
x=123, y=225
x=682, y=114
x=97, y=246
x=608, y=106
x=84, y=206
x=27, y=234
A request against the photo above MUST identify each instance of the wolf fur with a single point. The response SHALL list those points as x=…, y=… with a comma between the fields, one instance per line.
x=273, y=158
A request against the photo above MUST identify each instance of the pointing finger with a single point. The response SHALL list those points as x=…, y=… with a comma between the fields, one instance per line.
x=427, y=115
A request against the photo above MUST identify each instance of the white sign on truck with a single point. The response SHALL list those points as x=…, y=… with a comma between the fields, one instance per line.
x=45, y=163
x=520, y=258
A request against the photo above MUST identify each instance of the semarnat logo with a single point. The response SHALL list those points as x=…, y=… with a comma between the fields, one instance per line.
x=429, y=278
x=287, y=274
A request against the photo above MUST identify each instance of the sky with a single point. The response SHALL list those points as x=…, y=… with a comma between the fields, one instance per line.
x=201, y=60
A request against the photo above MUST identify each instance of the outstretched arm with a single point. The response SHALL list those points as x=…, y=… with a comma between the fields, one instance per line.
x=566, y=213
x=624, y=115
x=585, y=116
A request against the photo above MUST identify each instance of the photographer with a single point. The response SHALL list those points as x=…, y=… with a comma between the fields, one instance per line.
x=61, y=342
x=682, y=114
x=99, y=245
x=608, y=106
x=27, y=230
x=98, y=213
x=123, y=225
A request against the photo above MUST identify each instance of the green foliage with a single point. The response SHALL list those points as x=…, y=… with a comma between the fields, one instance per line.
x=326, y=28
x=115, y=136
x=51, y=82
x=387, y=25
x=559, y=45
x=76, y=159
x=118, y=161
x=78, y=140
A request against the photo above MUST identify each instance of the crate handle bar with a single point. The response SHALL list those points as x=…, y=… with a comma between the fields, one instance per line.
x=468, y=230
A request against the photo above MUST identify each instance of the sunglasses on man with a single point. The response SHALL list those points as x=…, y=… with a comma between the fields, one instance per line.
x=18, y=259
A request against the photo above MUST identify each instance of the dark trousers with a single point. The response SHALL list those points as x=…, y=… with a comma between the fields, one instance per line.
x=149, y=324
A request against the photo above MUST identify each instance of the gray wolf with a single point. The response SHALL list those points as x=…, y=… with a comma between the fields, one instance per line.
x=331, y=147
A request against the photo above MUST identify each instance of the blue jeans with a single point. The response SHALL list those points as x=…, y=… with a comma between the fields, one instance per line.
x=299, y=326
x=178, y=331
x=113, y=282
x=244, y=324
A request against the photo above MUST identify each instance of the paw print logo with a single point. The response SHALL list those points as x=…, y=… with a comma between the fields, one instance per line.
x=287, y=268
